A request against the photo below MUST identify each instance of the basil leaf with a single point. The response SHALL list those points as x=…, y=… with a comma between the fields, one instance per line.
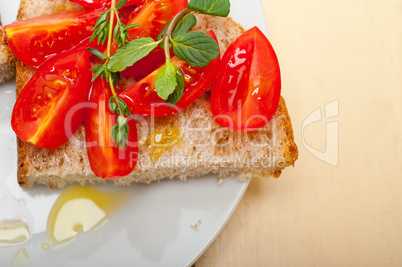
x=124, y=109
x=100, y=28
x=196, y=48
x=116, y=78
x=113, y=105
x=184, y=25
x=120, y=132
x=121, y=4
x=97, y=53
x=211, y=7
x=178, y=92
x=102, y=18
x=166, y=80
x=116, y=30
x=99, y=71
x=131, y=53
x=132, y=26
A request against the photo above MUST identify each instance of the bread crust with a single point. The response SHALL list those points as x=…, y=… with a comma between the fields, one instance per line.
x=69, y=164
x=7, y=59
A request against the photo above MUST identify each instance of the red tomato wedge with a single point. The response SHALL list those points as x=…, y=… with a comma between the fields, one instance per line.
x=142, y=98
x=44, y=114
x=104, y=4
x=153, y=17
x=35, y=40
x=246, y=93
x=107, y=160
x=148, y=64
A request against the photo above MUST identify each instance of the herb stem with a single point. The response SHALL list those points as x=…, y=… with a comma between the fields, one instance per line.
x=112, y=86
x=169, y=32
x=166, y=48
x=117, y=16
x=109, y=43
x=109, y=40
x=176, y=19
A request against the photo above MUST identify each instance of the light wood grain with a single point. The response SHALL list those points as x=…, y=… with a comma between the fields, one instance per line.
x=317, y=214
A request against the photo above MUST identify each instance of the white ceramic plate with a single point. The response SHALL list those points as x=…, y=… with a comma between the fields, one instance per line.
x=152, y=229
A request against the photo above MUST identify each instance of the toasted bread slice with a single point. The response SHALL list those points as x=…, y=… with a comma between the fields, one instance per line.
x=209, y=147
x=7, y=59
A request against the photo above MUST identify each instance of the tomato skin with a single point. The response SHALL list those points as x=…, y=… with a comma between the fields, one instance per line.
x=35, y=40
x=142, y=98
x=104, y=4
x=153, y=17
x=246, y=93
x=43, y=114
x=107, y=160
x=147, y=65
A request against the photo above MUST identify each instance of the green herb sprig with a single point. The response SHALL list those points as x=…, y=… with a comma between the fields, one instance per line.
x=196, y=48
x=105, y=30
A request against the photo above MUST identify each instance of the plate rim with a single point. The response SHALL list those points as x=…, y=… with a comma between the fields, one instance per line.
x=235, y=202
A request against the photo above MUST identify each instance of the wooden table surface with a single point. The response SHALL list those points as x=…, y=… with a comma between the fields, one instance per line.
x=349, y=54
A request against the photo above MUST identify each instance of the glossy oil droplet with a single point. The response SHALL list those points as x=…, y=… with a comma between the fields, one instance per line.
x=13, y=232
x=161, y=141
x=81, y=209
x=45, y=246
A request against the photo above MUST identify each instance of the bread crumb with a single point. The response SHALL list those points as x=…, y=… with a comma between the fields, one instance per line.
x=220, y=180
x=195, y=226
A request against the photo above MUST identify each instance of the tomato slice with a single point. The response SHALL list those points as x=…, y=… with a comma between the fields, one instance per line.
x=44, y=114
x=104, y=4
x=246, y=93
x=142, y=98
x=35, y=40
x=147, y=65
x=107, y=160
x=153, y=17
